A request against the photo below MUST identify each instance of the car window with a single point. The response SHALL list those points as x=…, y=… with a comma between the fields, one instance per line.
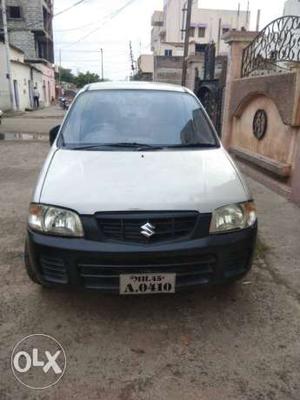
x=137, y=116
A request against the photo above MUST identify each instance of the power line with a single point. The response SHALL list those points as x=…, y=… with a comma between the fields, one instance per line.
x=33, y=24
x=122, y=50
x=83, y=26
x=110, y=17
x=82, y=51
x=69, y=8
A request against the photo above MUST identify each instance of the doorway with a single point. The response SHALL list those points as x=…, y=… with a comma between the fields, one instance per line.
x=30, y=92
x=16, y=94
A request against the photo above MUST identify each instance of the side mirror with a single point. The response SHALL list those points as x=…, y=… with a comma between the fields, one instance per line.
x=53, y=133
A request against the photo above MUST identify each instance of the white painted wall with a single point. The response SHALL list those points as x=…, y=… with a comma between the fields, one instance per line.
x=173, y=20
x=292, y=7
x=201, y=18
x=176, y=50
x=209, y=19
x=4, y=83
x=40, y=75
x=21, y=75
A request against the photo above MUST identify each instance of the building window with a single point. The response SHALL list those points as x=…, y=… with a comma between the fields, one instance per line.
x=168, y=53
x=201, y=32
x=225, y=30
x=14, y=12
x=192, y=32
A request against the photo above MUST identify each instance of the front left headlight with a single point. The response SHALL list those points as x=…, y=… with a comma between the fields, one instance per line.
x=55, y=221
x=233, y=217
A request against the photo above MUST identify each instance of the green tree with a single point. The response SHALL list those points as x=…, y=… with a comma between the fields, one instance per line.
x=83, y=79
x=65, y=75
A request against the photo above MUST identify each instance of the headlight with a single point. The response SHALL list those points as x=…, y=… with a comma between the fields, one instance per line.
x=233, y=217
x=54, y=221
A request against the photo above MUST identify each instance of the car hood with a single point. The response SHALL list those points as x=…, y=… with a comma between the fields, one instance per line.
x=93, y=181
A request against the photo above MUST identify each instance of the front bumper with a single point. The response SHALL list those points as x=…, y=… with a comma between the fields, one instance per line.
x=98, y=265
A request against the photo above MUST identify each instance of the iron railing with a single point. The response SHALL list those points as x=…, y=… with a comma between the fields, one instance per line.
x=277, y=44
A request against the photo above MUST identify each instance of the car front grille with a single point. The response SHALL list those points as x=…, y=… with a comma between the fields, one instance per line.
x=128, y=227
x=188, y=269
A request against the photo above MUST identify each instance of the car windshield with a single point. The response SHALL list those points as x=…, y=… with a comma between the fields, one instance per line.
x=137, y=118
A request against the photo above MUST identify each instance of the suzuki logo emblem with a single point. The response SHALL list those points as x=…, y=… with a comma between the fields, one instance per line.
x=148, y=230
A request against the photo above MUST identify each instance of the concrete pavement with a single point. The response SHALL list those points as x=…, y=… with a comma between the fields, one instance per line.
x=37, y=122
x=238, y=343
x=279, y=231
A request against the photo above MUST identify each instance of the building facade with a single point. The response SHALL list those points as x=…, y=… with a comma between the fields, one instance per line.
x=25, y=77
x=30, y=28
x=291, y=7
x=30, y=32
x=207, y=26
x=207, y=29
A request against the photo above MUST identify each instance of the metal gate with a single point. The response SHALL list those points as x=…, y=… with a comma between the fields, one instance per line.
x=275, y=49
x=210, y=90
x=211, y=95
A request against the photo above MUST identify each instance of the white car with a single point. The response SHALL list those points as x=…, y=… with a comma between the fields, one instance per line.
x=137, y=196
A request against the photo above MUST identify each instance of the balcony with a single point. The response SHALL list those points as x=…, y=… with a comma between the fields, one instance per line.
x=157, y=18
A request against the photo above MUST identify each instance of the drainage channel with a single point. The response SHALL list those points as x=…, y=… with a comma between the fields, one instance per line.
x=24, y=137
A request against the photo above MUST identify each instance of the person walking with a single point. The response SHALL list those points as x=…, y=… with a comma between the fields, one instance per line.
x=36, y=97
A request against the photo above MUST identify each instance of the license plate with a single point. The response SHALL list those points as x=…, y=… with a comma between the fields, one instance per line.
x=147, y=283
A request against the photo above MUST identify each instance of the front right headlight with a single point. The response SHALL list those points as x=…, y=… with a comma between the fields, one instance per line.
x=54, y=221
x=233, y=217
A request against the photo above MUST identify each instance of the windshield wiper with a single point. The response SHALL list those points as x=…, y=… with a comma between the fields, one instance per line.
x=192, y=145
x=137, y=146
x=140, y=146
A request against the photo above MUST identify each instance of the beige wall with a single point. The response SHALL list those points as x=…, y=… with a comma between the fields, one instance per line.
x=279, y=140
x=48, y=83
x=146, y=63
x=279, y=96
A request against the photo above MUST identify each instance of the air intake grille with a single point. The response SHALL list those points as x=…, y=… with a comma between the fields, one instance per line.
x=54, y=270
x=128, y=227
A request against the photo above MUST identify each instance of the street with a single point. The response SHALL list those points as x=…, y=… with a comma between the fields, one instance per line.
x=238, y=342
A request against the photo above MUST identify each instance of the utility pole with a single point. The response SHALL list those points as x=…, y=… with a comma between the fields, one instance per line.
x=219, y=36
x=102, y=69
x=258, y=20
x=248, y=15
x=238, y=17
x=131, y=58
x=59, y=68
x=187, y=40
x=7, y=56
x=59, y=73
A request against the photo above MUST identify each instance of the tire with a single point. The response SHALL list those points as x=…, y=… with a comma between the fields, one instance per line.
x=232, y=282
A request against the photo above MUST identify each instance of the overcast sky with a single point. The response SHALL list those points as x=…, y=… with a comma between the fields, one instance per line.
x=106, y=24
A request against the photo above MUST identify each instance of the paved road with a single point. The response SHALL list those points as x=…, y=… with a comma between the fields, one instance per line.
x=38, y=122
x=210, y=344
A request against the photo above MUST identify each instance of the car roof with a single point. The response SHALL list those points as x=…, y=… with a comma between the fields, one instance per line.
x=134, y=85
